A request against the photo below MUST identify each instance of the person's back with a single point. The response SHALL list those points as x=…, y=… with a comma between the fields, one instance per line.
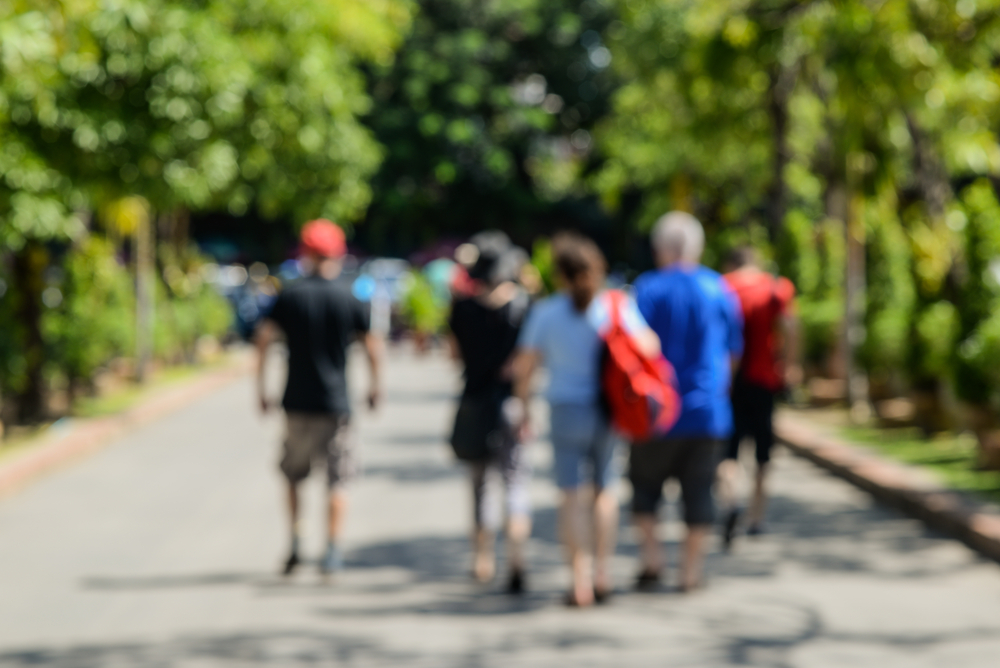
x=320, y=319
x=484, y=330
x=699, y=325
x=763, y=299
x=695, y=317
x=486, y=335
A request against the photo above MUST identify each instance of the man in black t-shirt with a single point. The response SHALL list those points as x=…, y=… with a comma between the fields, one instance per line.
x=320, y=319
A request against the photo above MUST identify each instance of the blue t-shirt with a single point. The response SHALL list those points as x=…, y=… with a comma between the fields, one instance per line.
x=570, y=344
x=700, y=326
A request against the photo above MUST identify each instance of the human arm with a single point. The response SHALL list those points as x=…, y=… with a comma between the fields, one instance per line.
x=263, y=337
x=636, y=325
x=734, y=325
x=373, y=350
x=454, y=352
x=791, y=352
x=523, y=367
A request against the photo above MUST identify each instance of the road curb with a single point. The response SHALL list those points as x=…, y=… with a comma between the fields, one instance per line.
x=78, y=437
x=904, y=487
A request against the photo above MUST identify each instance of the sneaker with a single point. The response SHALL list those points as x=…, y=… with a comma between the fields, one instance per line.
x=516, y=585
x=755, y=529
x=647, y=580
x=291, y=563
x=729, y=530
x=332, y=562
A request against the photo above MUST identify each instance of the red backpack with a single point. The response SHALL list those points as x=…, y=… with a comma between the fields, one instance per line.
x=639, y=391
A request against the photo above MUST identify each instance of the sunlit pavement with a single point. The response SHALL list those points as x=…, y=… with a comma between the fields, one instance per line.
x=163, y=551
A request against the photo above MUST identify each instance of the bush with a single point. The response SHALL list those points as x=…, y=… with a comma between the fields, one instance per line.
x=187, y=308
x=813, y=256
x=890, y=295
x=421, y=311
x=95, y=322
x=979, y=294
x=935, y=333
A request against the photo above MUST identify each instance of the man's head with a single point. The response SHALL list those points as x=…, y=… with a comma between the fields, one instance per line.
x=323, y=245
x=740, y=257
x=678, y=237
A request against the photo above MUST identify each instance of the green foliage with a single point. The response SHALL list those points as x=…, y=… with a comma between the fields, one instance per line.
x=890, y=294
x=979, y=352
x=541, y=258
x=486, y=116
x=796, y=253
x=793, y=113
x=95, y=322
x=821, y=310
x=932, y=346
x=421, y=310
x=187, y=307
x=227, y=103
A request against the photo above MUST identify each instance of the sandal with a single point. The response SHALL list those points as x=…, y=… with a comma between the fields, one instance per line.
x=647, y=580
x=602, y=596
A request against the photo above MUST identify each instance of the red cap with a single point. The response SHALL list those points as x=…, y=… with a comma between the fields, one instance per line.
x=323, y=238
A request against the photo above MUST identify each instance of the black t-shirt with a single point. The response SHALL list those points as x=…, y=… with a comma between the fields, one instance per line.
x=320, y=319
x=486, y=338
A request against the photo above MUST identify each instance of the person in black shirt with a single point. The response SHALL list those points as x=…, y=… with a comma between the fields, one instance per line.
x=484, y=329
x=320, y=318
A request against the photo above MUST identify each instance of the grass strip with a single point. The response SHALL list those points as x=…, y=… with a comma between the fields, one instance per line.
x=951, y=456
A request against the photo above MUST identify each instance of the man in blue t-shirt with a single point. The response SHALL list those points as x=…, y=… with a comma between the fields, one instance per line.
x=700, y=326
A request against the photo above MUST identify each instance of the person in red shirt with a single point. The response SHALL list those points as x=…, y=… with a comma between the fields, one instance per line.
x=766, y=367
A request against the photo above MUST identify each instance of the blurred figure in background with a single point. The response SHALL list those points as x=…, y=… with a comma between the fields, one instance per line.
x=563, y=332
x=769, y=361
x=484, y=330
x=320, y=318
x=698, y=321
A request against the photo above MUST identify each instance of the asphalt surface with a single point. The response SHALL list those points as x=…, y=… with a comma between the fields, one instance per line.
x=163, y=550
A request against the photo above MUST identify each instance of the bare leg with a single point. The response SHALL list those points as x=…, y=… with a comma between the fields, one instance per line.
x=293, y=507
x=518, y=530
x=758, y=503
x=650, y=554
x=727, y=475
x=606, y=534
x=336, y=512
x=292, y=500
x=483, y=559
x=694, y=556
x=574, y=535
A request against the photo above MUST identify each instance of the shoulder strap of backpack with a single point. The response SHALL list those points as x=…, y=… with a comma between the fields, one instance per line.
x=615, y=301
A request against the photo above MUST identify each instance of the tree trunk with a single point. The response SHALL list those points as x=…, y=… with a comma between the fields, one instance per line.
x=29, y=268
x=144, y=293
x=854, y=310
x=782, y=80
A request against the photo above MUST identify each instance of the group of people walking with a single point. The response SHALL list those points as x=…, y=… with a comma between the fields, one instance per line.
x=723, y=336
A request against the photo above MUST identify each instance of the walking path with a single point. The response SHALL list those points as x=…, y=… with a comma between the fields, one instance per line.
x=162, y=550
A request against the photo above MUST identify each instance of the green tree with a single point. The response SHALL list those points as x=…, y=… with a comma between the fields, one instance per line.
x=485, y=116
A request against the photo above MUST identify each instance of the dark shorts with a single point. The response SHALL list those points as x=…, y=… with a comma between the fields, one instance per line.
x=753, y=412
x=321, y=438
x=691, y=461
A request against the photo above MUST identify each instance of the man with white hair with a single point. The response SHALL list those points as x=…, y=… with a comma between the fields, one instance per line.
x=699, y=322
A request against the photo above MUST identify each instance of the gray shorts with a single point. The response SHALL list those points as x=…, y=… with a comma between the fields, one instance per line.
x=322, y=437
x=692, y=461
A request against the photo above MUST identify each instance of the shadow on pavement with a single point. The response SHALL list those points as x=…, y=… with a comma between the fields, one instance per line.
x=290, y=649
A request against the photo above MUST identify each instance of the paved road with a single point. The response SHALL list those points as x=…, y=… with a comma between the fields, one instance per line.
x=162, y=551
